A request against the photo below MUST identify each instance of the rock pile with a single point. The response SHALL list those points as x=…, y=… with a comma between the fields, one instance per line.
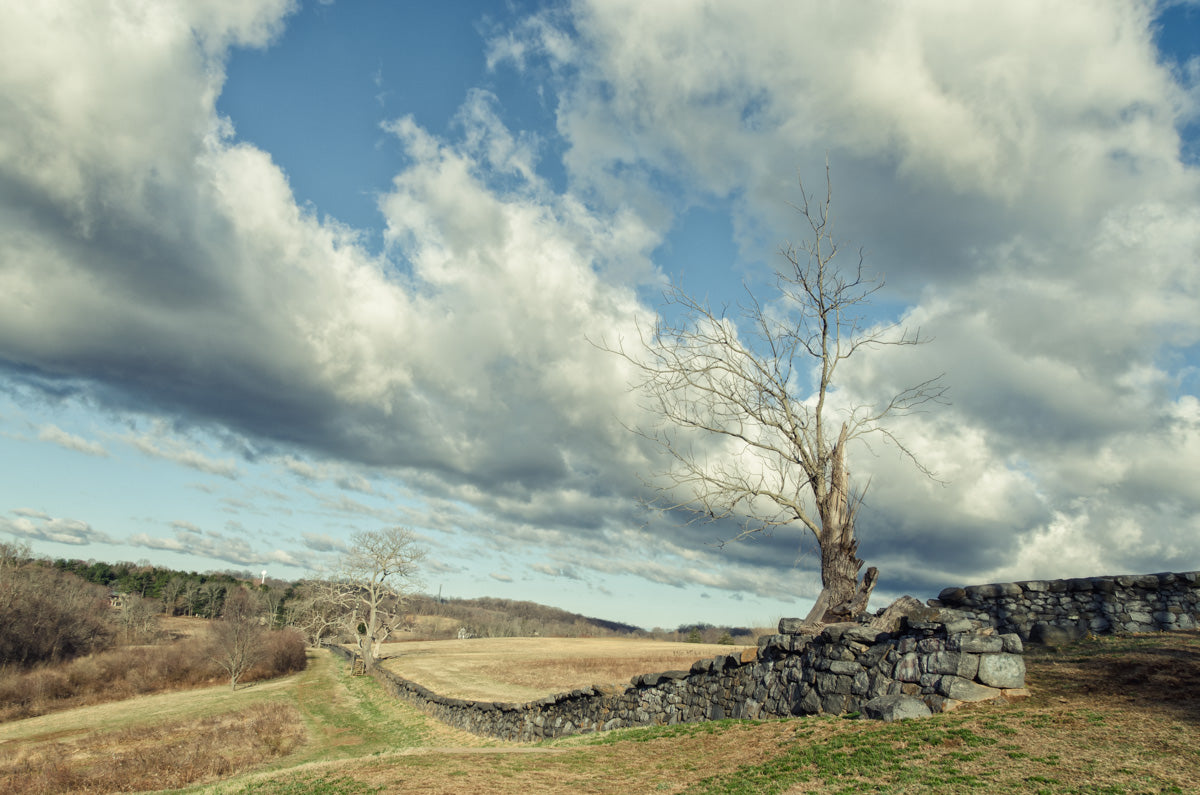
x=1060, y=611
x=931, y=664
x=916, y=659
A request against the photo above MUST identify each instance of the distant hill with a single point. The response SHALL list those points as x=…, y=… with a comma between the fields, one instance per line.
x=487, y=617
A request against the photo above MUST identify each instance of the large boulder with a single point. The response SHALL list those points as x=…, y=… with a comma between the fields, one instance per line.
x=1002, y=670
x=895, y=707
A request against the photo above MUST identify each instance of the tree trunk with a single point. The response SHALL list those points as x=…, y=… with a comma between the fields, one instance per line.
x=366, y=650
x=842, y=597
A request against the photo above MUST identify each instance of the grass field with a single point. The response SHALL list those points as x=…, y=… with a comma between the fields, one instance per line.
x=525, y=669
x=1106, y=716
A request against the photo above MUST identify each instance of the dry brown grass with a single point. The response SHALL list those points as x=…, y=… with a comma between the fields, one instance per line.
x=129, y=671
x=523, y=669
x=163, y=756
x=1107, y=716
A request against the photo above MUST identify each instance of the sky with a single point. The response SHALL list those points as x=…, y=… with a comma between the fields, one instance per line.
x=274, y=272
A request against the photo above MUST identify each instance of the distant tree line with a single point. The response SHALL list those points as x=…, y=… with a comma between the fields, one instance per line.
x=181, y=593
x=55, y=610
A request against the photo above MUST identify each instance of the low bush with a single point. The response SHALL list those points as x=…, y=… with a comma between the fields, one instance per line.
x=283, y=653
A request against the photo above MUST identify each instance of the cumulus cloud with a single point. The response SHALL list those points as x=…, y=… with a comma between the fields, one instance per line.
x=1015, y=171
x=1016, y=174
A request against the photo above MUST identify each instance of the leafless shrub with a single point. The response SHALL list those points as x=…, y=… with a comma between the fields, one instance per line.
x=48, y=615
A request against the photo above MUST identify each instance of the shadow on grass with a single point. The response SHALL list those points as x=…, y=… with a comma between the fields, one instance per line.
x=1159, y=672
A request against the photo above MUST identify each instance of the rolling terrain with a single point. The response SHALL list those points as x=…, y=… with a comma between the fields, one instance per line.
x=1110, y=715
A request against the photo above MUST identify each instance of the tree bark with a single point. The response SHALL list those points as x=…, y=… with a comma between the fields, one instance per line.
x=842, y=597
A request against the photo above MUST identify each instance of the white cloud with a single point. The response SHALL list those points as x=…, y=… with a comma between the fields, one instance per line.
x=38, y=526
x=186, y=527
x=320, y=542
x=157, y=443
x=235, y=549
x=1014, y=170
x=56, y=435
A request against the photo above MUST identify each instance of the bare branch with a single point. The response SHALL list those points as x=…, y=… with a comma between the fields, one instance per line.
x=779, y=457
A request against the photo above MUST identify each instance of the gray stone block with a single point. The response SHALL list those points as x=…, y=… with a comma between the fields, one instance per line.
x=844, y=667
x=958, y=625
x=963, y=690
x=865, y=634
x=791, y=626
x=810, y=704
x=834, y=703
x=1002, y=670
x=940, y=662
x=908, y=669
x=895, y=707
x=835, y=632
x=952, y=595
x=977, y=643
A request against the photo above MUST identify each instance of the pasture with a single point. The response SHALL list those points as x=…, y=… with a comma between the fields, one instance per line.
x=1111, y=715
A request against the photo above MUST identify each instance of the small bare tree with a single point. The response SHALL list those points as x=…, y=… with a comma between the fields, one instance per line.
x=767, y=392
x=171, y=591
x=137, y=617
x=238, y=637
x=375, y=578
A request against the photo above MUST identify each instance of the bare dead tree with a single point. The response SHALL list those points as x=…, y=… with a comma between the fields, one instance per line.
x=170, y=593
x=765, y=386
x=137, y=617
x=239, y=636
x=320, y=609
x=376, y=575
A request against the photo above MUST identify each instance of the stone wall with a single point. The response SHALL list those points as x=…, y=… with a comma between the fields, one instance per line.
x=935, y=663
x=1054, y=611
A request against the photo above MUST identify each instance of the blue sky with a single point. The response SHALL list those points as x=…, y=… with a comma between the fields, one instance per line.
x=271, y=272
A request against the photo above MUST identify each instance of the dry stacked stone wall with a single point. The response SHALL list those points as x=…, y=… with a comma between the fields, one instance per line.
x=1055, y=611
x=965, y=646
x=934, y=663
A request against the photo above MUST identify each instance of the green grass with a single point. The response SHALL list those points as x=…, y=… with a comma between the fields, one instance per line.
x=1126, y=720
x=644, y=735
x=307, y=785
x=858, y=761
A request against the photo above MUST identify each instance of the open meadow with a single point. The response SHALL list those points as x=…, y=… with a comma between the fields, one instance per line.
x=525, y=669
x=1111, y=715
